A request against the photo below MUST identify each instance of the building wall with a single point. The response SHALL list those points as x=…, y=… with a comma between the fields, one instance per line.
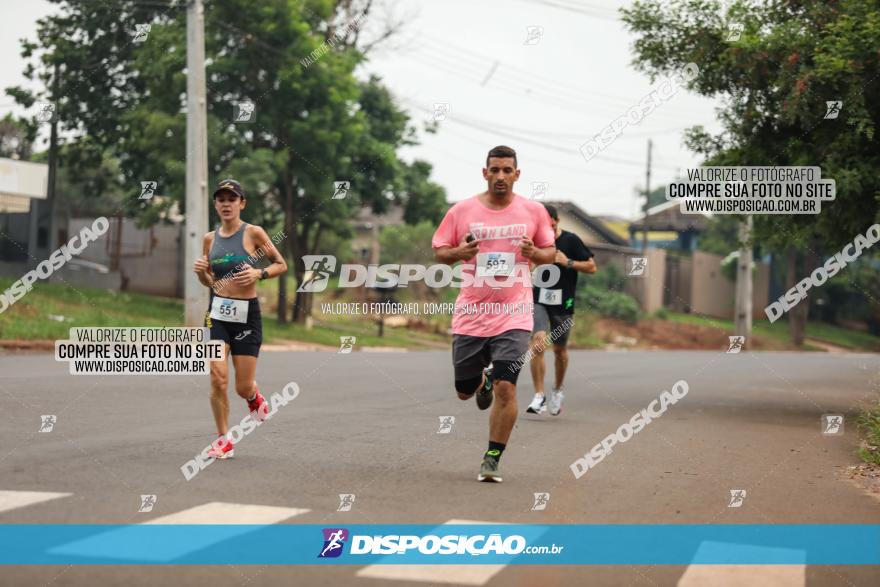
x=571, y=224
x=648, y=288
x=150, y=260
x=679, y=275
x=712, y=294
x=14, y=238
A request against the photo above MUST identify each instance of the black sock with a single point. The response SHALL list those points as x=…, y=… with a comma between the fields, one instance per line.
x=495, y=449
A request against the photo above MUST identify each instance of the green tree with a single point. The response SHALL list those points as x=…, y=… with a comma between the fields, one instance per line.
x=407, y=243
x=721, y=236
x=774, y=82
x=423, y=199
x=315, y=122
x=17, y=138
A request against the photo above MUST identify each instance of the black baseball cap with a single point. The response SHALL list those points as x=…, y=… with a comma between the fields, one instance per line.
x=229, y=185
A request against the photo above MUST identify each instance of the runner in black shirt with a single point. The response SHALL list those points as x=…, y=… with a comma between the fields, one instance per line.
x=554, y=314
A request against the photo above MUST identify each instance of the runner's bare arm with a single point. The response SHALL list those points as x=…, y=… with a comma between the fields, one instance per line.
x=537, y=255
x=264, y=247
x=265, y=244
x=588, y=266
x=463, y=252
x=201, y=266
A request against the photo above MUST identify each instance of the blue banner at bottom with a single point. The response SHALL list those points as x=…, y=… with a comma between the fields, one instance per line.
x=305, y=544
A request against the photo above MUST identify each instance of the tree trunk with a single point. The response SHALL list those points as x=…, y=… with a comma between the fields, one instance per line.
x=297, y=315
x=282, y=299
x=797, y=316
x=301, y=301
x=288, y=231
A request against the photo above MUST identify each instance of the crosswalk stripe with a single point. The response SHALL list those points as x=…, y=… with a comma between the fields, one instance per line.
x=10, y=500
x=792, y=575
x=452, y=574
x=217, y=512
x=744, y=576
x=105, y=545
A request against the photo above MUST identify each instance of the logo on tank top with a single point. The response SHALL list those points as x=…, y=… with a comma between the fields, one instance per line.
x=229, y=258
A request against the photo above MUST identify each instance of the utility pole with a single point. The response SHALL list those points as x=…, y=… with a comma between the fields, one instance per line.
x=743, y=318
x=647, y=199
x=195, y=294
x=51, y=199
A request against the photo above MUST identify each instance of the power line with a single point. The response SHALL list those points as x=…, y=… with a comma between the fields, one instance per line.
x=569, y=169
x=571, y=95
x=570, y=105
x=516, y=135
x=582, y=10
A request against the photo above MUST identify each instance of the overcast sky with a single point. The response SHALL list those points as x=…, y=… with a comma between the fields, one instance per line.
x=544, y=98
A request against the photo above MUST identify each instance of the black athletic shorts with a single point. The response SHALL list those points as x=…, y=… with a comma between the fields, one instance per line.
x=470, y=354
x=557, y=325
x=243, y=338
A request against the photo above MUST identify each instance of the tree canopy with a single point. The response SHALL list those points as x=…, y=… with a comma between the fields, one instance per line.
x=774, y=81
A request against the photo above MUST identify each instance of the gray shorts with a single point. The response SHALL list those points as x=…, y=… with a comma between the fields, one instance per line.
x=547, y=322
x=470, y=354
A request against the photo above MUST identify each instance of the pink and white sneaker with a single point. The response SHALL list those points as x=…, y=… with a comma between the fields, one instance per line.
x=259, y=405
x=221, y=448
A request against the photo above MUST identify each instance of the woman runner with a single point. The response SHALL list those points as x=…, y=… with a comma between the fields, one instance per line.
x=228, y=268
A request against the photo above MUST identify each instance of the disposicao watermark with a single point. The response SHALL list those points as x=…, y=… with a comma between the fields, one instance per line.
x=548, y=340
x=820, y=275
x=756, y=189
x=337, y=37
x=319, y=268
x=251, y=260
x=346, y=502
x=47, y=422
x=636, y=113
x=629, y=429
x=248, y=424
x=832, y=424
x=56, y=261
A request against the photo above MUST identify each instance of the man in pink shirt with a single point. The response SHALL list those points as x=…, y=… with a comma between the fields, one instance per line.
x=495, y=235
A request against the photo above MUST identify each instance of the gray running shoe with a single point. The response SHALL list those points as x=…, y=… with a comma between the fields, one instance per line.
x=489, y=470
x=484, y=396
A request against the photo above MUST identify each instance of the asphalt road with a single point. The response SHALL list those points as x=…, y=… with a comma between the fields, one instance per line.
x=366, y=424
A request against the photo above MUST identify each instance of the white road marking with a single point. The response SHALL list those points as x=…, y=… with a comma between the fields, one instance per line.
x=451, y=574
x=217, y=512
x=105, y=545
x=10, y=500
x=793, y=575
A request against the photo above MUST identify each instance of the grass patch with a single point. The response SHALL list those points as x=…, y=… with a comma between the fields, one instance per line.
x=35, y=317
x=31, y=317
x=869, y=425
x=582, y=335
x=850, y=339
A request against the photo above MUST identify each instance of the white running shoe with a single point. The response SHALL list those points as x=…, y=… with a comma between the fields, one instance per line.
x=538, y=405
x=556, y=397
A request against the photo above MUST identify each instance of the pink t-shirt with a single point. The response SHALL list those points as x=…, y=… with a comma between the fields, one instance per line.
x=486, y=307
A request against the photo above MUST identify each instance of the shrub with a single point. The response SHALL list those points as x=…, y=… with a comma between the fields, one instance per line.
x=869, y=425
x=611, y=304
